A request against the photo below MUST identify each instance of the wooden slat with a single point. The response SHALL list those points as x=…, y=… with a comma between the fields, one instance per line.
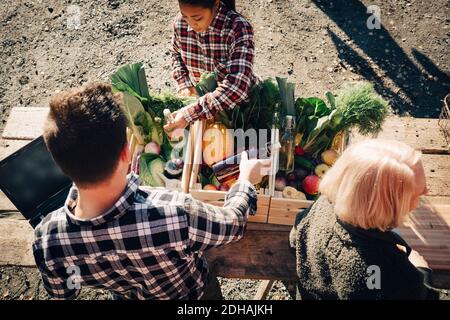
x=188, y=159
x=216, y=198
x=433, y=200
x=8, y=147
x=266, y=255
x=259, y=218
x=16, y=237
x=197, y=156
x=435, y=217
x=219, y=196
x=421, y=134
x=437, y=172
x=263, y=290
x=5, y=204
x=25, y=123
x=290, y=203
x=258, y=255
x=268, y=227
x=426, y=215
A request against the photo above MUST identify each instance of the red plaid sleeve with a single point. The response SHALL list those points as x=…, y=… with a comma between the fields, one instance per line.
x=179, y=70
x=235, y=87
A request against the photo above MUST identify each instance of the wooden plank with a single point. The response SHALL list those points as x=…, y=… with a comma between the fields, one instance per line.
x=197, y=156
x=435, y=200
x=290, y=203
x=8, y=147
x=216, y=198
x=437, y=172
x=421, y=134
x=16, y=237
x=188, y=159
x=5, y=204
x=25, y=123
x=268, y=227
x=266, y=255
x=263, y=290
x=263, y=255
x=430, y=217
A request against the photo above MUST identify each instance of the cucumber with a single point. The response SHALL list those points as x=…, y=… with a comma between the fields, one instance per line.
x=303, y=163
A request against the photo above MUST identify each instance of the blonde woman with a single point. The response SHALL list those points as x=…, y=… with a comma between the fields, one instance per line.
x=345, y=246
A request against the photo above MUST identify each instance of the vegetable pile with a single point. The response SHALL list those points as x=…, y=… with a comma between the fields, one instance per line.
x=319, y=132
x=155, y=159
x=264, y=100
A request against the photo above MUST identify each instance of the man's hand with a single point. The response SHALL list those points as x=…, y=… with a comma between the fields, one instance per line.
x=187, y=92
x=175, y=129
x=253, y=170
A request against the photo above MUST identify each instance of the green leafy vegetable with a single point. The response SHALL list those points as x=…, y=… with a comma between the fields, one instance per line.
x=132, y=107
x=207, y=83
x=362, y=108
x=356, y=105
x=257, y=113
x=165, y=100
x=151, y=169
x=131, y=78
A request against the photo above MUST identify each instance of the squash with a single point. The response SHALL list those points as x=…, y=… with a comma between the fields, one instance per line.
x=218, y=143
x=337, y=141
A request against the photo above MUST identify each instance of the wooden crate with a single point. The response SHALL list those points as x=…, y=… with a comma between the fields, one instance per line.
x=134, y=148
x=217, y=197
x=283, y=211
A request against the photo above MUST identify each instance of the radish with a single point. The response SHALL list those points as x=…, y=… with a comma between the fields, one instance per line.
x=280, y=182
x=153, y=148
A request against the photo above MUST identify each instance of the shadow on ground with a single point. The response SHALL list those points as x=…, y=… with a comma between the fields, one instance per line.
x=419, y=89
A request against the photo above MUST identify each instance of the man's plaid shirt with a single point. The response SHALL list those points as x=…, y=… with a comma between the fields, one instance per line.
x=228, y=49
x=148, y=245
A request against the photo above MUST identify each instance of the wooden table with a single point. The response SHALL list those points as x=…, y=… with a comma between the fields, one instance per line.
x=264, y=251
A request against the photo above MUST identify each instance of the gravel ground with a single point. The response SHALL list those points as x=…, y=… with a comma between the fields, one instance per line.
x=317, y=44
x=17, y=283
x=25, y=284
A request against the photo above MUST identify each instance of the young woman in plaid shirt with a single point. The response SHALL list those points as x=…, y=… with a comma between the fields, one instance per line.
x=209, y=36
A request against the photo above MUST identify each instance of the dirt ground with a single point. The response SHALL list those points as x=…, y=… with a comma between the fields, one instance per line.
x=316, y=44
x=18, y=283
x=25, y=284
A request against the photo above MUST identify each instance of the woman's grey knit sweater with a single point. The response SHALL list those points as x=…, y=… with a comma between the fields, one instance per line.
x=337, y=261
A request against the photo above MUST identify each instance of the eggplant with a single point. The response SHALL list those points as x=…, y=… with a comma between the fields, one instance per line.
x=174, y=168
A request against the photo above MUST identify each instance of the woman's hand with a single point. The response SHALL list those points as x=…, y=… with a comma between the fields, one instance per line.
x=417, y=260
x=176, y=127
x=187, y=92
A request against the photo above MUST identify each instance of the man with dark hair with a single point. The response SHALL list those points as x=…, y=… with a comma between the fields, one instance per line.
x=112, y=234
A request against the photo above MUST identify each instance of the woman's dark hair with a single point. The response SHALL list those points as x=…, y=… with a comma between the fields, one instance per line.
x=230, y=4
